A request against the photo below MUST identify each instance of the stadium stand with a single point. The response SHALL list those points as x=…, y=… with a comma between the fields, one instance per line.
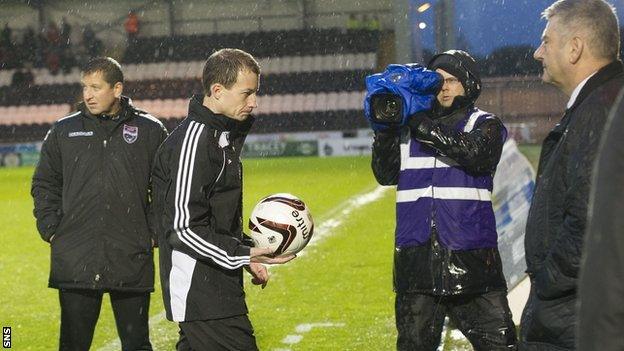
x=312, y=80
x=192, y=69
x=164, y=88
x=296, y=43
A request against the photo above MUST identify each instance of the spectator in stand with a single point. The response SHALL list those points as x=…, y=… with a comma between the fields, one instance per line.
x=8, y=58
x=53, y=35
x=67, y=58
x=22, y=78
x=53, y=49
x=92, y=44
x=132, y=27
x=29, y=46
x=65, y=33
x=41, y=48
x=5, y=37
x=3, y=57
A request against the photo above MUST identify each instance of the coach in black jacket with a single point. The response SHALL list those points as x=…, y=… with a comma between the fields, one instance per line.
x=91, y=194
x=198, y=202
x=579, y=52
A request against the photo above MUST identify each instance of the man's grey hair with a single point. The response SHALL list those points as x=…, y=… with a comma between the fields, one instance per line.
x=596, y=18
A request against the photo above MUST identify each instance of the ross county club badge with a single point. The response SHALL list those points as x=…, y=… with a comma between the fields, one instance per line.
x=130, y=133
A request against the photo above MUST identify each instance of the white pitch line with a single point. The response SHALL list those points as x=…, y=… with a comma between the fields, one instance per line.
x=292, y=339
x=334, y=219
x=339, y=213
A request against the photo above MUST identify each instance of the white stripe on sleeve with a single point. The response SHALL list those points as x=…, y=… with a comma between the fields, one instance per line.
x=182, y=214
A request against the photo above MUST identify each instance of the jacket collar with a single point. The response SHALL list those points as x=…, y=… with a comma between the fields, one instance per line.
x=199, y=112
x=124, y=113
x=603, y=75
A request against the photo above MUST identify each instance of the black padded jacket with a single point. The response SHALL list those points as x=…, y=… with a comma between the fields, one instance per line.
x=558, y=215
x=91, y=191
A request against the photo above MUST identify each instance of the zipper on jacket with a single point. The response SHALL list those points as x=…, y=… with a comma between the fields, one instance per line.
x=99, y=240
x=222, y=167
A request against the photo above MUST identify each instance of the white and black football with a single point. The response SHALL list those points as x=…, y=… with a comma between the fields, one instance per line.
x=282, y=222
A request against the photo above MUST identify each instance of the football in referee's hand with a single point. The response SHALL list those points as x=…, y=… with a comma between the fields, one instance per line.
x=281, y=222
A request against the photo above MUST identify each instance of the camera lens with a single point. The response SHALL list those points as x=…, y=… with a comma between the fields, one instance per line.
x=391, y=108
x=387, y=108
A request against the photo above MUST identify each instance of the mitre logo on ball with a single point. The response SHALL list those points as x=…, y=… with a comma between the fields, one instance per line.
x=281, y=222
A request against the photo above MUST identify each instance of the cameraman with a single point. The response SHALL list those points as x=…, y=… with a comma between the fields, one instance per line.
x=446, y=259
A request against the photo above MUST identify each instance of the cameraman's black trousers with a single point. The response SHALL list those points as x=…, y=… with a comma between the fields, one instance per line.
x=485, y=319
x=80, y=310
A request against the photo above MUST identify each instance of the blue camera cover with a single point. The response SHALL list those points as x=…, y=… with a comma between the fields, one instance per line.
x=416, y=85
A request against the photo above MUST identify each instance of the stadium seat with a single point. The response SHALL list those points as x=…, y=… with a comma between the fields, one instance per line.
x=288, y=103
x=320, y=103
x=270, y=65
x=196, y=69
x=297, y=102
x=264, y=105
x=318, y=63
x=6, y=114
x=309, y=102
x=371, y=61
x=296, y=64
x=277, y=104
x=307, y=64
x=332, y=101
x=6, y=77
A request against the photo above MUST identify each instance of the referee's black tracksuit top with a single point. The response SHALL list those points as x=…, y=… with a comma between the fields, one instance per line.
x=197, y=179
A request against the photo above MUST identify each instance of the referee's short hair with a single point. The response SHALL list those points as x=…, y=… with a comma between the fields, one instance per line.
x=223, y=66
x=109, y=67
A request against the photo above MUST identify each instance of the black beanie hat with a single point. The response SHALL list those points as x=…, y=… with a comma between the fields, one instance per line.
x=461, y=65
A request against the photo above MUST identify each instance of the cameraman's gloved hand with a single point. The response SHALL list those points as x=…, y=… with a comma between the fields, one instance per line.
x=420, y=124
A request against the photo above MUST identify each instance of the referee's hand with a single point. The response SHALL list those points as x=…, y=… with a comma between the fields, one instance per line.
x=265, y=255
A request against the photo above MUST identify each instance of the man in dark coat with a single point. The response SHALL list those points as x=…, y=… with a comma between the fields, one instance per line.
x=601, y=288
x=579, y=53
x=91, y=194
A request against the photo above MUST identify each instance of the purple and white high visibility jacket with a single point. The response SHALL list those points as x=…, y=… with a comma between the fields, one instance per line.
x=435, y=188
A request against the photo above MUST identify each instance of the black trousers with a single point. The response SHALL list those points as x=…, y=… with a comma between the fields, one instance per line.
x=485, y=319
x=80, y=310
x=231, y=334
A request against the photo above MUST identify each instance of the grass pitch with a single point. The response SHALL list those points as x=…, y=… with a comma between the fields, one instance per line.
x=337, y=296
x=345, y=280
